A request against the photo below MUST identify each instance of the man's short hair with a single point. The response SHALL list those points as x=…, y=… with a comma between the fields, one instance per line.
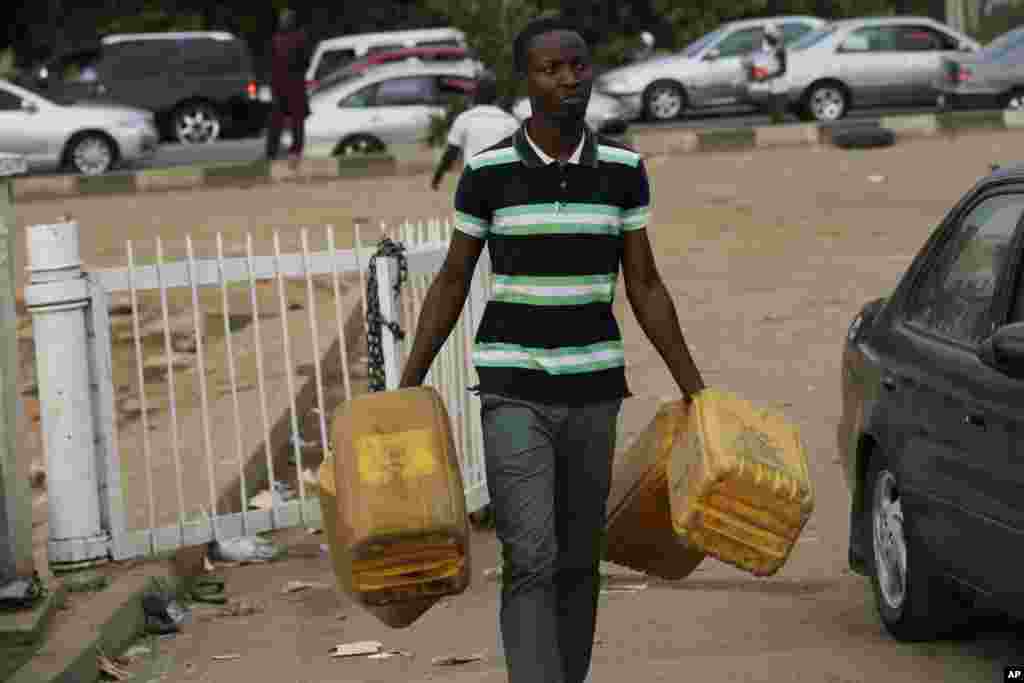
x=537, y=27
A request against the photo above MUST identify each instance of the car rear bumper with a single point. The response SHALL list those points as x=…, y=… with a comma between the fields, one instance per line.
x=960, y=98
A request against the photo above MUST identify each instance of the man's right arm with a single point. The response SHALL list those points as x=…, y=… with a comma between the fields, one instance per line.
x=447, y=294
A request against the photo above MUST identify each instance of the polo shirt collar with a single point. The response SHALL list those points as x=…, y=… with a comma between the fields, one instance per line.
x=533, y=157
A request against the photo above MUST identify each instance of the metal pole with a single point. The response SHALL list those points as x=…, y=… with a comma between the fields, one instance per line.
x=15, y=497
x=58, y=300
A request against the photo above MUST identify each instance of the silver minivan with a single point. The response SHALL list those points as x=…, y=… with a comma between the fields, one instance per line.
x=864, y=62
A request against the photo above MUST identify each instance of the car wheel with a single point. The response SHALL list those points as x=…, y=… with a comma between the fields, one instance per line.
x=1014, y=101
x=913, y=603
x=826, y=102
x=359, y=144
x=664, y=101
x=196, y=123
x=91, y=154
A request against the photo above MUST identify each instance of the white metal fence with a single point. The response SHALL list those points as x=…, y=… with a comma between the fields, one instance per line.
x=214, y=371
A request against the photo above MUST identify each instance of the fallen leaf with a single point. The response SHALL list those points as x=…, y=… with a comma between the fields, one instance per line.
x=455, y=660
x=388, y=654
x=226, y=658
x=109, y=668
x=364, y=647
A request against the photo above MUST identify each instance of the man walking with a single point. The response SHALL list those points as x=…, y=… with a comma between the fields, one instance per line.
x=773, y=49
x=560, y=209
x=289, y=61
x=476, y=129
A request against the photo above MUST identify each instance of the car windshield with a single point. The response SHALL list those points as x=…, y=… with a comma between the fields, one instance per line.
x=694, y=48
x=1002, y=46
x=812, y=38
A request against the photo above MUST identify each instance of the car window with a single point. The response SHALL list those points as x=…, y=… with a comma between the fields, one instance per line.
x=9, y=101
x=740, y=43
x=812, y=38
x=203, y=56
x=360, y=98
x=384, y=48
x=80, y=67
x=694, y=48
x=438, y=43
x=407, y=91
x=920, y=39
x=1006, y=48
x=143, y=59
x=793, y=30
x=953, y=299
x=332, y=60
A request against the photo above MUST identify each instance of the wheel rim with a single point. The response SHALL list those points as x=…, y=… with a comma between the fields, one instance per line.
x=92, y=156
x=890, y=545
x=827, y=104
x=665, y=103
x=197, y=126
x=1016, y=102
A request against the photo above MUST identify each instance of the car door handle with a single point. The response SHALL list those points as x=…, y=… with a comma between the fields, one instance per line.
x=975, y=420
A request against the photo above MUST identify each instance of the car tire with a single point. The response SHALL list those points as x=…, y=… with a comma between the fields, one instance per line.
x=1014, y=101
x=359, y=144
x=826, y=102
x=913, y=602
x=664, y=101
x=864, y=138
x=196, y=123
x=91, y=154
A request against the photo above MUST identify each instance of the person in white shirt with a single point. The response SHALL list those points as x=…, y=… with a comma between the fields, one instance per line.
x=474, y=130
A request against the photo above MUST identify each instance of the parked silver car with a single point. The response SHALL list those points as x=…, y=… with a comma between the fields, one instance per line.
x=86, y=138
x=605, y=114
x=990, y=78
x=707, y=73
x=864, y=62
x=389, y=104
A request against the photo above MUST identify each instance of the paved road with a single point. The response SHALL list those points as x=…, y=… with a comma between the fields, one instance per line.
x=252, y=148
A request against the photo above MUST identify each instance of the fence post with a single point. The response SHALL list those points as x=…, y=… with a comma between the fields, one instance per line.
x=58, y=298
x=15, y=498
x=391, y=348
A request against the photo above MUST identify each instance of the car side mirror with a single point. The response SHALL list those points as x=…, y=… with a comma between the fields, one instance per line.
x=712, y=54
x=1004, y=350
x=29, y=107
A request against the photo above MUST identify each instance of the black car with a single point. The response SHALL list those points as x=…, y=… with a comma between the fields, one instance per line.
x=932, y=430
x=199, y=84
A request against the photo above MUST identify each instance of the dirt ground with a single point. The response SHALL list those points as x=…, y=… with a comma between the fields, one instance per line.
x=768, y=255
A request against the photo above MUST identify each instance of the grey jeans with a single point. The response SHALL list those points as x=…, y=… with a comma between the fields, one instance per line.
x=548, y=474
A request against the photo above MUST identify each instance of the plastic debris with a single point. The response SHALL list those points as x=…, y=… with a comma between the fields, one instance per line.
x=455, y=660
x=388, y=654
x=876, y=178
x=296, y=586
x=364, y=647
x=225, y=658
x=244, y=549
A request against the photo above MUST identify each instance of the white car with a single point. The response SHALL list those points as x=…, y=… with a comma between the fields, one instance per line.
x=390, y=104
x=89, y=139
x=605, y=114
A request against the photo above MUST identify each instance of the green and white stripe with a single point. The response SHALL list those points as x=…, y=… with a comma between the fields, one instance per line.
x=569, y=290
x=494, y=157
x=617, y=156
x=471, y=225
x=560, y=361
x=558, y=218
x=636, y=219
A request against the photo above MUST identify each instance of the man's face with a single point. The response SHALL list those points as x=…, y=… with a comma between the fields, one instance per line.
x=559, y=75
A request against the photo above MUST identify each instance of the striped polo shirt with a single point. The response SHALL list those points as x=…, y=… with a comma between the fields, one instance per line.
x=554, y=233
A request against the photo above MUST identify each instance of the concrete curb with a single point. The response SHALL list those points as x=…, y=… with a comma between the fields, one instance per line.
x=414, y=159
x=114, y=620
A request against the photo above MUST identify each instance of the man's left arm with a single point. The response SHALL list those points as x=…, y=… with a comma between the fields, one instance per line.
x=647, y=293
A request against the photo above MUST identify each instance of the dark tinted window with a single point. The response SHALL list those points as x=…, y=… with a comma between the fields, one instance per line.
x=920, y=39
x=740, y=43
x=360, y=98
x=383, y=48
x=438, y=43
x=142, y=59
x=214, y=57
x=333, y=60
x=9, y=101
x=955, y=296
x=407, y=91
